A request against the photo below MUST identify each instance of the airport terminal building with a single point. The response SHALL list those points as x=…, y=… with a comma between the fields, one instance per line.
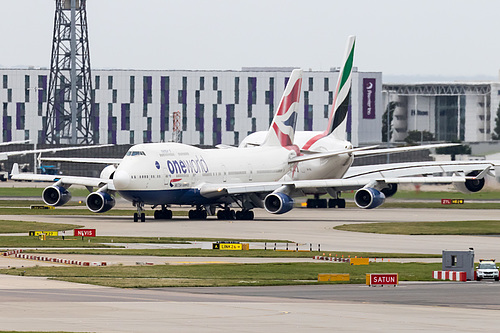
x=216, y=107
x=460, y=110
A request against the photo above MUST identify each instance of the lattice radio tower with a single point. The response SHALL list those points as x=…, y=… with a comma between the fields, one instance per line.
x=69, y=105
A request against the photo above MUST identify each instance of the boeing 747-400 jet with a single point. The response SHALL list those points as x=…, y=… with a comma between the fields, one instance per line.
x=165, y=174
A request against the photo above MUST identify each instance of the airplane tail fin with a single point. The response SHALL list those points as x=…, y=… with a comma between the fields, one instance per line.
x=282, y=129
x=337, y=123
x=337, y=119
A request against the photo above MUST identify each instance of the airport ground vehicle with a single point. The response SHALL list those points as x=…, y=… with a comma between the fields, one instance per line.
x=487, y=270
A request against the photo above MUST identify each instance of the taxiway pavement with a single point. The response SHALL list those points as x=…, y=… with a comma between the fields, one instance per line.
x=40, y=304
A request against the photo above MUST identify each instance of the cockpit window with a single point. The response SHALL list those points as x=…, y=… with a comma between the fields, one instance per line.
x=135, y=153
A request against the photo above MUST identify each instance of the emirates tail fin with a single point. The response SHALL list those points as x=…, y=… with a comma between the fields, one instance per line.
x=337, y=119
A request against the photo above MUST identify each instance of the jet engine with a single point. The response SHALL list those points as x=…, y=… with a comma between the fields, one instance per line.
x=390, y=190
x=470, y=185
x=56, y=195
x=278, y=203
x=100, y=202
x=369, y=198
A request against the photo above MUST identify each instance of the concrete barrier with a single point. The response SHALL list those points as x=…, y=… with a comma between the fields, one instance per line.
x=450, y=275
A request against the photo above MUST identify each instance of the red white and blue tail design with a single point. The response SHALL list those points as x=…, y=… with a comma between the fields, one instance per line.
x=282, y=129
x=338, y=115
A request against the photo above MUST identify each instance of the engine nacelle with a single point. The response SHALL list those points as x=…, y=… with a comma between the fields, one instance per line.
x=108, y=172
x=100, y=202
x=55, y=195
x=369, y=198
x=390, y=190
x=470, y=185
x=278, y=203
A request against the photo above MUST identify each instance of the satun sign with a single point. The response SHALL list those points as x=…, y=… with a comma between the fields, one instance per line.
x=84, y=232
x=382, y=279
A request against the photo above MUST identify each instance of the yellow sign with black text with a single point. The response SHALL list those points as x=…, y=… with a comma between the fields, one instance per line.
x=47, y=233
x=232, y=247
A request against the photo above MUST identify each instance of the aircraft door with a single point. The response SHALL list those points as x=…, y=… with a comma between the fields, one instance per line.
x=250, y=172
x=224, y=173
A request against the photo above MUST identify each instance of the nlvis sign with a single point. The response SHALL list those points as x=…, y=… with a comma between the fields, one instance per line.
x=194, y=165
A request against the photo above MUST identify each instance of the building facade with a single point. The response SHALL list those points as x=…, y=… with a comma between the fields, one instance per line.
x=217, y=107
x=450, y=111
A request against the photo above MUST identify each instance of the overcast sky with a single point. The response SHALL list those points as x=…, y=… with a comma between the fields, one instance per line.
x=449, y=38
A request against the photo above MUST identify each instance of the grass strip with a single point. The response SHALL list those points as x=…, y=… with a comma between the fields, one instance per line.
x=438, y=205
x=213, y=275
x=426, y=228
x=10, y=226
x=257, y=253
x=72, y=241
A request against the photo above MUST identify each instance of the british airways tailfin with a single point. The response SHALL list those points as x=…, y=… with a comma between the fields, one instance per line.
x=282, y=129
x=337, y=123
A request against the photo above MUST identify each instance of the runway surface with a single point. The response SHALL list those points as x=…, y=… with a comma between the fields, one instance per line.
x=39, y=304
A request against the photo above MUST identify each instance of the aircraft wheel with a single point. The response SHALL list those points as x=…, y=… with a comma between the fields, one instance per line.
x=311, y=203
x=143, y=217
x=244, y=215
x=157, y=214
x=341, y=203
x=136, y=217
x=322, y=203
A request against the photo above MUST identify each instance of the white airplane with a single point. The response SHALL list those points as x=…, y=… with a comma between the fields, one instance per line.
x=165, y=174
x=339, y=165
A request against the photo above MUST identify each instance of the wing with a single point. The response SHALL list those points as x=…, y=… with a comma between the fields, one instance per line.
x=417, y=168
x=7, y=154
x=294, y=187
x=66, y=181
x=83, y=160
x=363, y=151
x=401, y=149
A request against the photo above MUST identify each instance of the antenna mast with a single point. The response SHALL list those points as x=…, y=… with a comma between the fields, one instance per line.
x=69, y=106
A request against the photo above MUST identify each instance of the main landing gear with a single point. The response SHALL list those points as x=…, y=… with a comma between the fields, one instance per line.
x=229, y=214
x=163, y=214
x=323, y=203
x=197, y=214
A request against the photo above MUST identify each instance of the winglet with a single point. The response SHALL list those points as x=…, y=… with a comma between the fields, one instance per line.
x=483, y=173
x=282, y=129
x=15, y=169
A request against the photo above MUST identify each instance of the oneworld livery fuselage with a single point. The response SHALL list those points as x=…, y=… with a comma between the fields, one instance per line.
x=173, y=173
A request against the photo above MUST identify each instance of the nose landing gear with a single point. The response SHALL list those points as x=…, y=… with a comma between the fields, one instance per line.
x=140, y=214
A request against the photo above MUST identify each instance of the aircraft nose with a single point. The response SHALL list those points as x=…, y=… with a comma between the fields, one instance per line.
x=121, y=179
